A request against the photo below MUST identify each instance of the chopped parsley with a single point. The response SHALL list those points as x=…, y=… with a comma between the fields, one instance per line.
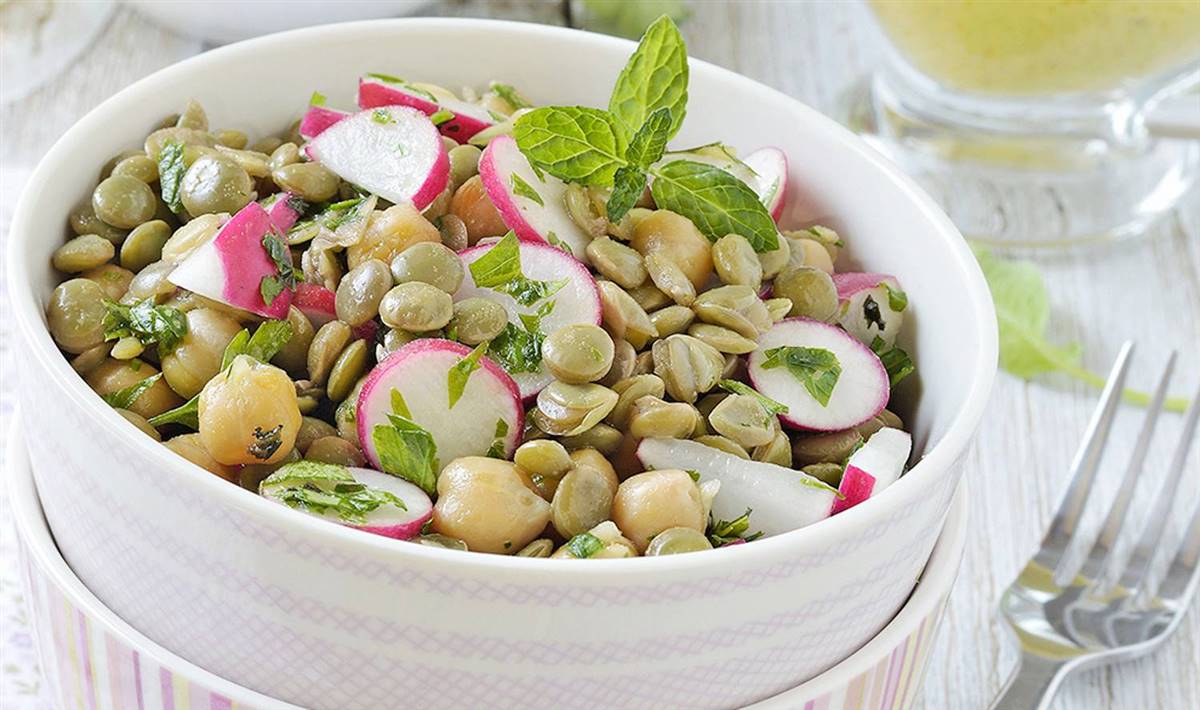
x=170, y=174
x=500, y=270
x=897, y=362
x=524, y=189
x=496, y=450
x=405, y=448
x=285, y=275
x=147, y=322
x=815, y=368
x=380, y=115
x=124, y=398
x=897, y=299
x=518, y=348
x=326, y=489
x=460, y=373
x=584, y=545
x=317, y=99
x=723, y=532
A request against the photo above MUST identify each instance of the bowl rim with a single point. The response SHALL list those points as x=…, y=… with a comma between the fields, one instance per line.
x=935, y=584
x=951, y=445
x=35, y=538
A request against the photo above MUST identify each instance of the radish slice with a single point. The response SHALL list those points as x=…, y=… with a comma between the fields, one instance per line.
x=876, y=465
x=533, y=206
x=872, y=305
x=770, y=179
x=578, y=301
x=779, y=498
x=317, y=119
x=305, y=485
x=466, y=119
x=320, y=305
x=284, y=208
x=488, y=407
x=393, y=152
x=855, y=487
x=231, y=266
x=861, y=390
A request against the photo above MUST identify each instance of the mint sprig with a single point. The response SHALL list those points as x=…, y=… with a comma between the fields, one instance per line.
x=656, y=76
x=573, y=143
x=715, y=201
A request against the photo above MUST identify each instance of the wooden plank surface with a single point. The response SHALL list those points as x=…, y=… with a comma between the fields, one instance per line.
x=1147, y=289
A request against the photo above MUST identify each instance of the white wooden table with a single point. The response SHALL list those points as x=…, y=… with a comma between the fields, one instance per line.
x=1147, y=289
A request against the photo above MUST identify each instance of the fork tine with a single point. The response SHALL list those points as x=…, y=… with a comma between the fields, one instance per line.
x=1102, y=548
x=1183, y=575
x=1084, y=466
x=1144, y=553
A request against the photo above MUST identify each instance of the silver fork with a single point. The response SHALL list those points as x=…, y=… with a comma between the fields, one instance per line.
x=1069, y=614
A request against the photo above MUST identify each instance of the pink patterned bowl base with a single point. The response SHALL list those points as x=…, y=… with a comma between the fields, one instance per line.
x=92, y=659
x=282, y=603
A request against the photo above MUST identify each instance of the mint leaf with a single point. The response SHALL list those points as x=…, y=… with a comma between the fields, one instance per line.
x=647, y=145
x=496, y=450
x=500, y=270
x=519, y=348
x=186, y=414
x=268, y=339
x=767, y=403
x=723, y=532
x=326, y=489
x=815, y=368
x=715, y=201
x=460, y=373
x=524, y=189
x=1023, y=313
x=656, y=76
x=510, y=94
x=573, y=143
x=317, y=99
x=406, y=449
x=628, y=185
x=584, y=545
x=170, y=174
x=897, y=362
x=399, y=406
x=897, y=299
x=285, y=275
x=441, y=116
x=147, y=322
x=342, y=221
x=125, y=397
x=269, y=288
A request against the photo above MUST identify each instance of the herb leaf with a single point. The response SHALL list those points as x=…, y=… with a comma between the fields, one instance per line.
x=460, y=373
x=496, y=450
x=317, y=99
x=1023, y=313
x=125, y=397
x=573, y=143
x=326, y=489
x=524, y=189
x=723, y=532
x=441, y=116
x=715, y=201
x=897, y=299
x=406, y=449
x=186, y=414
x=500, y=270
x=147, y=322
x=815, y=368
x=285, y=276
x=656, y=76
x=647, y=145
x=628, y=185
x=767, y=403
x=519, y=348
x=509, y=94
x=897, y=362
x=584, y=545
x=170, y=174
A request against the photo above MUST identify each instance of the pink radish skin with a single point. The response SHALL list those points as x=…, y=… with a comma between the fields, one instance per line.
x=468, y=120
x=392, y=151
x=317, y=119
x=856, y=486
x=780, y=499
x=283, y=214
x=576, y=302
x=419, y=371
x=398, y=525
x=230, y=267
x=862, y=389
x=770, y=181
x=529, y=220
x=853, y=289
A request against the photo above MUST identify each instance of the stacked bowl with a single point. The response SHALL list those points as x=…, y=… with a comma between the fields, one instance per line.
x=328, y=617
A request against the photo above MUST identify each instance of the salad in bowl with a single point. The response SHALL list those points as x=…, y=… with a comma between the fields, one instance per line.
x=466, y=321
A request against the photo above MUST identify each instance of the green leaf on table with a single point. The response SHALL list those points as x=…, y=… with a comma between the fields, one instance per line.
x=715, y=201
x=656, y=76
x=817, y=369
x=628, y=185
x=500, y=270
x=1023, y=315
x=147, y=322
x=573, y=143
x=460, y=373
x=126, y=396
x=170, y=174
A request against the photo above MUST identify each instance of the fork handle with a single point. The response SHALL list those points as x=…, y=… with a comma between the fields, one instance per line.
x=1033, y=684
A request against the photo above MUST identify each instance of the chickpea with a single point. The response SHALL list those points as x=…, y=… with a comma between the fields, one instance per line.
x=249, y=414
x=485, y=503
x=390, y=232
x=472, y=205
x=198, y=356
x=676, y=238
x=650, y=502
x=113, y=375
x=190, y=447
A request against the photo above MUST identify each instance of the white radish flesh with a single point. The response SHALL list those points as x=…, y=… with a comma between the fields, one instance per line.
x=231, y=266
x=578, y=301
x=419, y=372
x=392, y=151
x=876, y=465
x=871, y=305
x=466, y=120
x=861, y=391
x=538, y=213
x=388, y=520
x=779, y=498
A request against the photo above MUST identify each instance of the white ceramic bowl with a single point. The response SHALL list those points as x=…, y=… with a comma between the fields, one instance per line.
x=289, y=605
x=89, y=656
